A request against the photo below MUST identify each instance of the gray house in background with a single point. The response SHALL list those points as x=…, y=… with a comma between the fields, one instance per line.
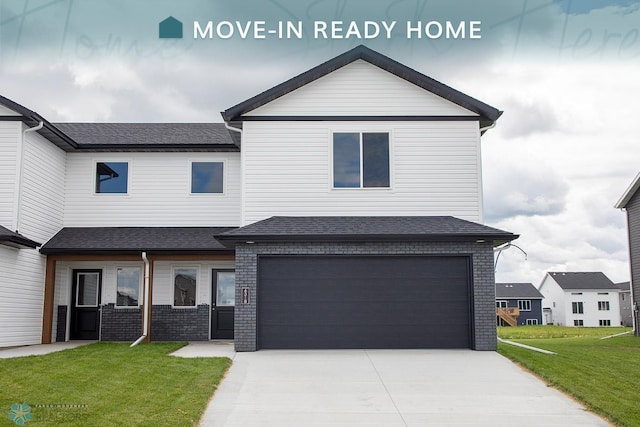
x=630, y=202
x=626, y=314
x=520, y=300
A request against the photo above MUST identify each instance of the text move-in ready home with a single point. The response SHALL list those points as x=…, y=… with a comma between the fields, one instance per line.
x=339, y=209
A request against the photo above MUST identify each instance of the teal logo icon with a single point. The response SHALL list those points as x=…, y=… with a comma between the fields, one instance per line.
x=170, y=28
x=20, y=413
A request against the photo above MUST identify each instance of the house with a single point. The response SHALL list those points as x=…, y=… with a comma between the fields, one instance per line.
x=339, y=209
x=630, y=202
x=518, y=304
x=626, y=313
x=580, y=299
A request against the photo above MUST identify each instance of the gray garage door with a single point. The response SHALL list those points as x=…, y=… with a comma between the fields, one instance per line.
x=363, y=302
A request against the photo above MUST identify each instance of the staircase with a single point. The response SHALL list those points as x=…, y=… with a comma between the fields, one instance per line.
x=507, y=316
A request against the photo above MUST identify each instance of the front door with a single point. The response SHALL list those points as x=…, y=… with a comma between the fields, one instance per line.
x=85, y=304
x=223, y=301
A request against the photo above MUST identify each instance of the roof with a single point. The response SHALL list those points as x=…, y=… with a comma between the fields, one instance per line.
x=135, y=239
x=623, y=286
x=487, y=113
x=360, y=228
x=629, y=193
x=15, y=240
x=517, y=290
x=151, y=136
x=584, y=281
x=95, y=137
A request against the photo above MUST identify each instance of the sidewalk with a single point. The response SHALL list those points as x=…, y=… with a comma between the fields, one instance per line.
x=39, y=349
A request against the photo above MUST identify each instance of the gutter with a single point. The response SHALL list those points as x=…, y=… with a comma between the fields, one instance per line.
x=145, y=313
x=19, y=172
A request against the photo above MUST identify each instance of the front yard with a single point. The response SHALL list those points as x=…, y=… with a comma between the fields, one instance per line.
x=603, y=374
x=109, y=384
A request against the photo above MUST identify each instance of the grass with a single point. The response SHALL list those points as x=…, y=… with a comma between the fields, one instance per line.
x=602, y=374
x=119, y=386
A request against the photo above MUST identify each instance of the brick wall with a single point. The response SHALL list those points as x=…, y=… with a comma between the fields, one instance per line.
x=120, y=324
x=180, y=324
x=484, y=322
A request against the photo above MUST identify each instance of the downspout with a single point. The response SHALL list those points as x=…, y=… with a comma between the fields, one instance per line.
x=486, y=128
x=231, y=128
x=145, y=313
x=19, y=173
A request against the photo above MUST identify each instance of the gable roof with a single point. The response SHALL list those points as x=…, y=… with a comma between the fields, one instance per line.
x=584, y=281
x=487, y=113
x=135, y=239
x=517, y=290
x=629, y=193
x=359, y=228
x=15, y=240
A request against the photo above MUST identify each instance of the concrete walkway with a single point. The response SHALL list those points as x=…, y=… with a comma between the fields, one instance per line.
x=386, y=388
x=39, y=349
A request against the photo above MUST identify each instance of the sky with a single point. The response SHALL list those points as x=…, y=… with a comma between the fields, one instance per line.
x=566, y=73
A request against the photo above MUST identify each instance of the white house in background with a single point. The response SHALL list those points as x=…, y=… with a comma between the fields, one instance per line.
x=626, y=303
x=580, y=299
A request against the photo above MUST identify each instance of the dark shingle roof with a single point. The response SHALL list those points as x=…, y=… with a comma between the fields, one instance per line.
x=517, y=290
x=358, y=228
x=151, y=136
x=488, y=114
x=583, y=280
x=134, y=239
x=623, y=286
x=15, y=240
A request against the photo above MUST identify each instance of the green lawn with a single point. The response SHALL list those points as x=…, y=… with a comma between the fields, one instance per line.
x=110, y=384
x=603, y=374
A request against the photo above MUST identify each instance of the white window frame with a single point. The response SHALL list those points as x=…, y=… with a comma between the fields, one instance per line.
x=76, y=284
x=604, y=306
x=579, y=304
x=361, y=187
x=501, y=302
x=173, y=285
x=532, y=321
x=140, y=279
x=578, y=322
x=604, y=322
x=190, y=177
x=524, y=302
x=129, y=163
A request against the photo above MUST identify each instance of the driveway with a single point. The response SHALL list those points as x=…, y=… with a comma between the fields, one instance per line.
x=387, y=388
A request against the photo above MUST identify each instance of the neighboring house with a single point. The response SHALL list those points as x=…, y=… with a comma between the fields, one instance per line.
x=630, y=202
x=626, y=304
x=580, y=299
x=521, y=299
x=340, y=209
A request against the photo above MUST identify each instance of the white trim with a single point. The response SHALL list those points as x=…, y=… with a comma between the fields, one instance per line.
x=172, y=285
x=140, y=276
x=128, y=161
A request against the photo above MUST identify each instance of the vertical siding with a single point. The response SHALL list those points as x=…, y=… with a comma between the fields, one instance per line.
x=434, y=168
x=633, y=219
x=21, y=296
x=9, y=137
x=158, y=192
x=360, y=89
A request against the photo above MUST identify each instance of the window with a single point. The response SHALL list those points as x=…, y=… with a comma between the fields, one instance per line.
x=576, y=293
x=184, y=287
x=532, y=321
x=603, y=293
x=603, y=305
x=112, y=177
x=361, y=160
x=622, y=296
x=578, y=322
x=207, y=177
x=605, y=322
x=128, y=281
x=524, y=305
x=501, y=304
x=87, y=289
x=577, y=307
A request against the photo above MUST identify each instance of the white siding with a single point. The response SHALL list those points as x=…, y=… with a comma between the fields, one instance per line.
x=434, y=170
x=554, y=298
x=592, y=315
x=4, y=111
x=360, y=89
x=9, y=137
x=21, y=296
x=158, y=192
x=42, y=188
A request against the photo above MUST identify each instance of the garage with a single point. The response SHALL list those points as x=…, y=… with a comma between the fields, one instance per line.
x=346, y=301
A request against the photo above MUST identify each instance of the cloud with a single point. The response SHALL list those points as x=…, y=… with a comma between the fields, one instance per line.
x=528, y=117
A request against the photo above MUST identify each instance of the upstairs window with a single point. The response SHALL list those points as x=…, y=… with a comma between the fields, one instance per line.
x=577, y=307
x=603, y=306
x=207, y=177
x=112, y=177
x=524, y=305
x=361, y=160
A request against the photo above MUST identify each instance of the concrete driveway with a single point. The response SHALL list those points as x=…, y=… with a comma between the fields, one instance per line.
x=387, y=388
